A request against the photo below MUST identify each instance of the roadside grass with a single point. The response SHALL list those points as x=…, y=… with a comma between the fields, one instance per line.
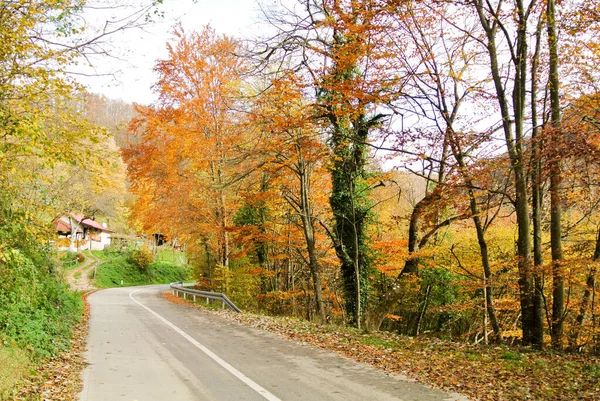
x=170, y=256
x=118, y=271
x=102, y=255
x=493, y=372
x=212, y=304
x=15, y=367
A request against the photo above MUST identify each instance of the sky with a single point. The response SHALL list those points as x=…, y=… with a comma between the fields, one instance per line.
x=128, y=75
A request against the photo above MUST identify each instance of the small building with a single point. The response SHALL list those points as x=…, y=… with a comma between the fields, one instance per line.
x=76, y=233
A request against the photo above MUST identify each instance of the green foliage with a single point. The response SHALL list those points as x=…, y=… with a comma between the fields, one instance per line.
x=445, y=288
x=102, y=255
x=249, y=215
x=38, y=312
x=541, y=363
x=242, y=284
x=223, y=278
x=166, y=272
x=592, y=369
x=471, y=355
x=140, y=258
x=43, y=137
x=351, y=208
x=170, y=255
x=430, y=304
x=377, y=341
x=39, y=133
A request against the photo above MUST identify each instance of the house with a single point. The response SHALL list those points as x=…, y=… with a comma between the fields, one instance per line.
x=76, y=233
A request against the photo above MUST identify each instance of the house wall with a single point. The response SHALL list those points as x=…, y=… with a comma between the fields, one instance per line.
x=90, y=239
x=96, y=240
x=105, y=239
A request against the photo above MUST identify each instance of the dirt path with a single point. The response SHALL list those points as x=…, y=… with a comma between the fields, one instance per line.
x=78, y=278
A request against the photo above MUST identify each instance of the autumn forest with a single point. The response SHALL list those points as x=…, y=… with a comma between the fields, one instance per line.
x=421, y=167
x=417, y=167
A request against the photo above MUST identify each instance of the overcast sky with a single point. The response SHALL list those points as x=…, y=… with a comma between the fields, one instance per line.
x=137, y=50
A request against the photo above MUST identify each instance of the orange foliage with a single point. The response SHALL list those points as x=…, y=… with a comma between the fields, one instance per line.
x=187, y=155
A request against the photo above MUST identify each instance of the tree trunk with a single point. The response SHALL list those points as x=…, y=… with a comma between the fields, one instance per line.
x=536, y=194
x=422, y=310
x=209, y=267
x=558, y=282
x=411, y=266
x=309, y=236
x=222, y=205
x=350, y=209
x=73, y=236
x=514, y=145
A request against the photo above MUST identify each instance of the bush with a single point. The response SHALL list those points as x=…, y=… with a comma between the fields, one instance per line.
x=140, y=258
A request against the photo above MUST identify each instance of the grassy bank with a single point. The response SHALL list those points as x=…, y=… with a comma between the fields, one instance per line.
x=16, y=364
x=121, y=269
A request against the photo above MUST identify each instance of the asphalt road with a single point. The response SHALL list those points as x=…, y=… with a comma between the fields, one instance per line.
x=142, y=347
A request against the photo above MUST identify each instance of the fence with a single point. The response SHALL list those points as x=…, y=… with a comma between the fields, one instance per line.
x=180, y=288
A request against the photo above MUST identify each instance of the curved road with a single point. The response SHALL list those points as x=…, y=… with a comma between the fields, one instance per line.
x=142, y=347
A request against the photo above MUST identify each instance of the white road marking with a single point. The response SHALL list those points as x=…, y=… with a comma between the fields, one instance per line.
x=249, y=382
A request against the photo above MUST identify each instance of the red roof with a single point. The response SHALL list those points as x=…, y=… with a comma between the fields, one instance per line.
x=96, y=225
x=63, y=226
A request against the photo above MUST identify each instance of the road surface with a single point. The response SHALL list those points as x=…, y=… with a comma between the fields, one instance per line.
x=142, y=347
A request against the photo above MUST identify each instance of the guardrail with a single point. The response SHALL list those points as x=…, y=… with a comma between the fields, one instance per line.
x=177, y=288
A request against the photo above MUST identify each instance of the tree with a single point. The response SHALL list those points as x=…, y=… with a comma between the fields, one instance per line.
x=492, y=19
x=444, y=87
x=42, y=136
x=189, y=152
x=294, y=144
x=340, y=45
